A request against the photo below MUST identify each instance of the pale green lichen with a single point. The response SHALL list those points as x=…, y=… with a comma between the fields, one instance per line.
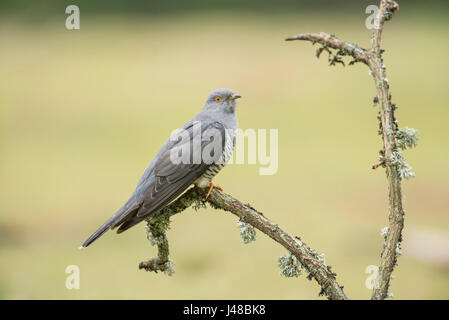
x=382, y=83
x=247, y=232
x=298, y=243
x=390, y=131
x=319, y=256
x=387, y=15
x=155, y=230
x=169, y=268
x=398, y=250
x=289, y=266
x=384, y=232
x=156, y=234
x=155, y=241
x=407, y=138
x=404, y=169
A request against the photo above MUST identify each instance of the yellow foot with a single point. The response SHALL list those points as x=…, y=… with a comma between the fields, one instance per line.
x=213, y=186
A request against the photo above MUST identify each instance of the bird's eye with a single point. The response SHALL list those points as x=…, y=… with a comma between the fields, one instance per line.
x=218, y=99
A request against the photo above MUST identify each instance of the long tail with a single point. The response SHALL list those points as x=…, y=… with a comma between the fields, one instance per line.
x=118, y=218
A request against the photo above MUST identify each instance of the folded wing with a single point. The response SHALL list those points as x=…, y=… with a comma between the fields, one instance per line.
x=172, y=178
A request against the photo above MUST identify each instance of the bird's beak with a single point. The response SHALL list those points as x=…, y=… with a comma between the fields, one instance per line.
x=234, y=96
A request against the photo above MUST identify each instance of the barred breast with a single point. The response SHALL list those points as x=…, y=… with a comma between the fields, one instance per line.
x=212, y=171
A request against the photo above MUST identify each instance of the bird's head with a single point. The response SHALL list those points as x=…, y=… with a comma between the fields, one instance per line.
x=222, y=100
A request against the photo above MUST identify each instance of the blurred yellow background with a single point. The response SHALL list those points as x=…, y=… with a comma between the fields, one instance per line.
x=83, y=112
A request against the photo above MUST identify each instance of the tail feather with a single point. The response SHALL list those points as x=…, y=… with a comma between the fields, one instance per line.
x=118, y=218
x=125, y=225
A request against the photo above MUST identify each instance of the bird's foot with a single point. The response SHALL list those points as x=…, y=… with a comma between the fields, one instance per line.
x=211, y=187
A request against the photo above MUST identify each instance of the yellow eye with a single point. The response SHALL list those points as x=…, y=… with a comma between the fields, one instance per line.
x=218, y=99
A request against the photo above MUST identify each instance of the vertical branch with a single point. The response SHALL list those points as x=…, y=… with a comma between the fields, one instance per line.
x=394, y=140
x=389, y=130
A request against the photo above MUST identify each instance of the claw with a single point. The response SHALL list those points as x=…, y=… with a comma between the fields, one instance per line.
x=212, y=185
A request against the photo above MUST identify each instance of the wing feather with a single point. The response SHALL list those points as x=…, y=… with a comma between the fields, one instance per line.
x=172, y=179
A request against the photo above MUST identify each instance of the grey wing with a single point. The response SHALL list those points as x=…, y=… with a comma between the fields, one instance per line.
x=171, y=178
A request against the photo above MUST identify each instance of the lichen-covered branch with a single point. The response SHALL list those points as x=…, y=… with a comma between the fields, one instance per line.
x=330, y=41
x=393, y=170
x=394, y=139
x=156, y=234
x=305, y=257
x=158, y=224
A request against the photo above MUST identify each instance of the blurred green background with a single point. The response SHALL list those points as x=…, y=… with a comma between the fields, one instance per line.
x=83, y=112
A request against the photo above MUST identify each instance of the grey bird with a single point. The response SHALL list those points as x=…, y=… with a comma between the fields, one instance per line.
x=166, y=177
